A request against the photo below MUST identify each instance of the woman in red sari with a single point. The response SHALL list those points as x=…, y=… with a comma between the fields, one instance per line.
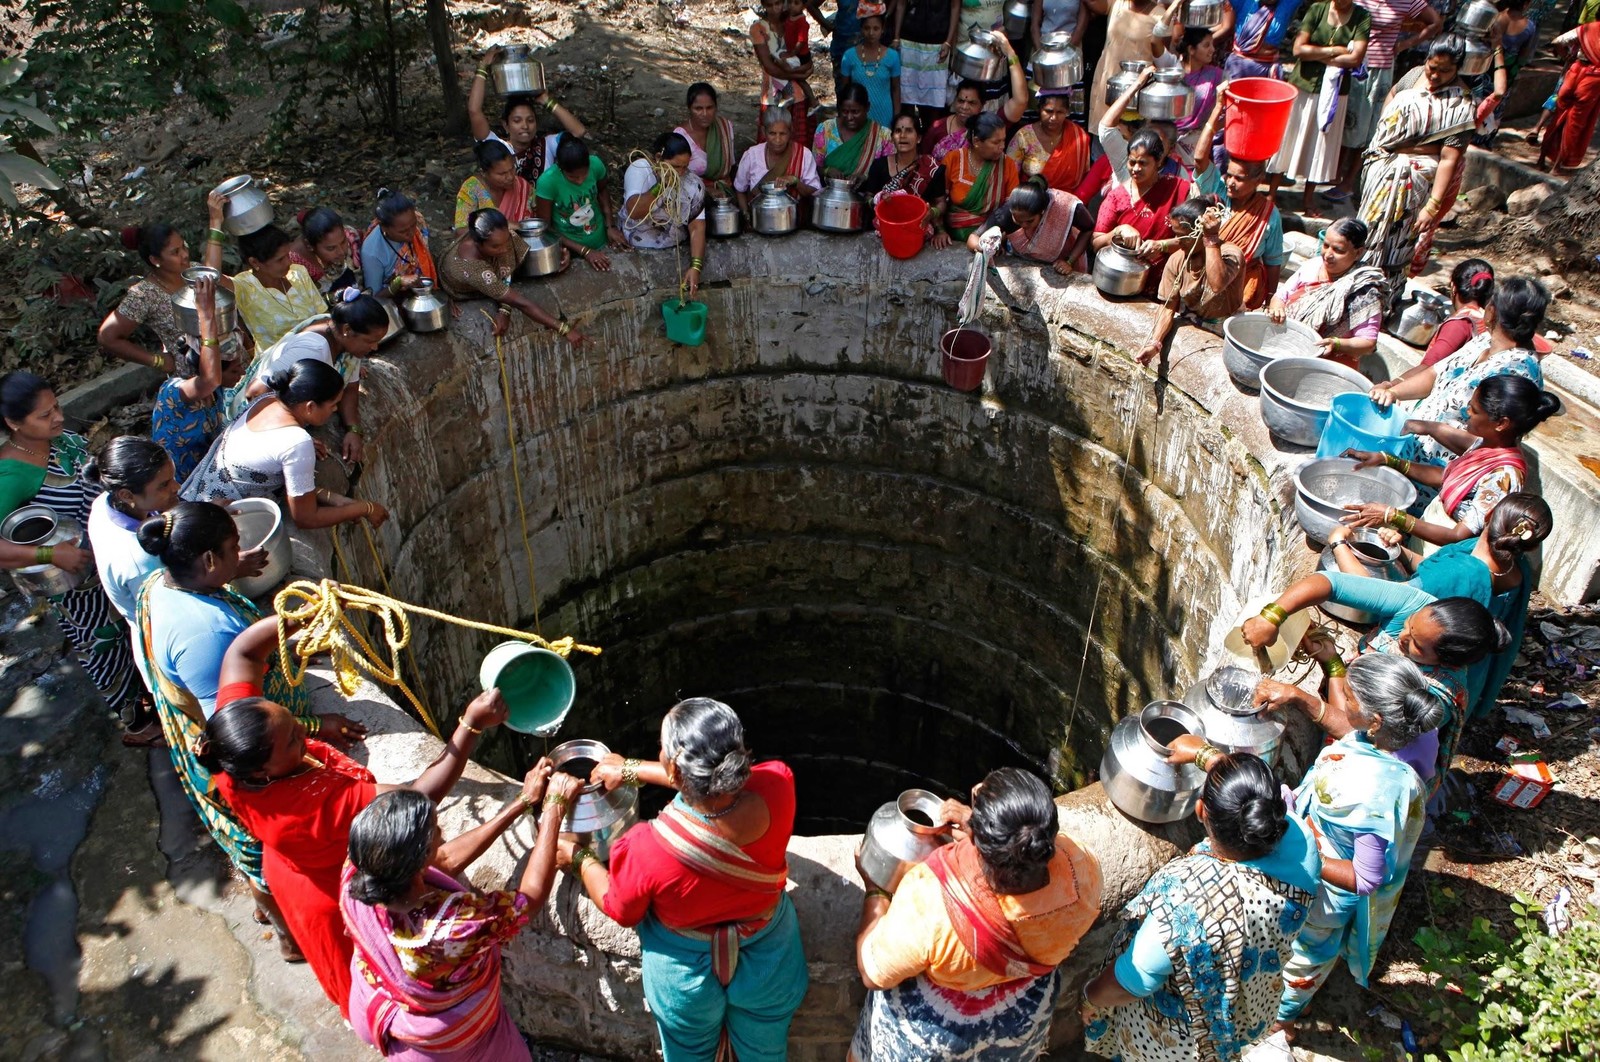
x=978, y=175
x=1055, y=147
x=1134, y=215
x=298, y=796
x=1577, y=101
x=495, y=185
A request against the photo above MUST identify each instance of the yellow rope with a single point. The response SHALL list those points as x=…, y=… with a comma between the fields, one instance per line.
x=516, y=476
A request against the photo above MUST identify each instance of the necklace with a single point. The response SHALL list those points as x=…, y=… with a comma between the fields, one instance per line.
x=724, y=811
x=12, y=442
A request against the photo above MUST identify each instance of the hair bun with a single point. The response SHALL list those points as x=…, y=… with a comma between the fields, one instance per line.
x=300, y=217
x=129, y=237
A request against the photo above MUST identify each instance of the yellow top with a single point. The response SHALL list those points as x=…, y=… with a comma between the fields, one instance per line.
x=270, y=313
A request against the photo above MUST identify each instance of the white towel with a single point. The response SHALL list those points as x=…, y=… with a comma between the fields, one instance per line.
x=972, y=298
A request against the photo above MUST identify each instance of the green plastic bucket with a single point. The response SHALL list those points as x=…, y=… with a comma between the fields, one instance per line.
x=686, y=322
x=536, y=683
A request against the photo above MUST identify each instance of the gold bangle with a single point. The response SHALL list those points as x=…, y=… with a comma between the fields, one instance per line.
x=314, y=725
x=209, y=343
x=462, y=724
x=562, y=328
x=875, y=891
x=528, y=806
x=630, y=772
x=555, y=800
x=1274, y=613
x=369, y=510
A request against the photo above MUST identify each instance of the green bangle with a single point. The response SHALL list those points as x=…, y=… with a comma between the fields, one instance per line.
x=875, y=891
x=1274, y=614
x=44, y=554
x=354, y=429
x=1334, y=668
x=578, y=858
x=314, y=725
x=216, y=236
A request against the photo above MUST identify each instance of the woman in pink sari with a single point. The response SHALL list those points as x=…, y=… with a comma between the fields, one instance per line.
x=1135, y=215
x=425, y=976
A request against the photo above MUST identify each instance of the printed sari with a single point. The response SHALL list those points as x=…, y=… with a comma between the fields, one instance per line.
x=1336, y=307
x=1577, y=104
x=976, y=188
x=1049, y=239
x=1062, y=168
x=1455, y=379
x=1353, y=788
x=426, y=985
x=475, y=195
x=1245, y=228
x=849, y=157
x=1452, y=571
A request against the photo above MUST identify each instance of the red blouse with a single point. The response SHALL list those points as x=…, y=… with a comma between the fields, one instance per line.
x=646, y=876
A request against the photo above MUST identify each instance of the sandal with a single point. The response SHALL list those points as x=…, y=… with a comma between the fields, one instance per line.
x=148, y=736
x=1533, y=138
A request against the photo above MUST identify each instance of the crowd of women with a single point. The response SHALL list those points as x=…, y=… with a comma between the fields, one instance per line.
x=962, y=960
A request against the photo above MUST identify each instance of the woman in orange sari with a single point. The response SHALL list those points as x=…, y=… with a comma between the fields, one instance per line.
x=1577, y=101
x=394, y=253
x=978, y=175
x=1055, y=147
x=496, y=185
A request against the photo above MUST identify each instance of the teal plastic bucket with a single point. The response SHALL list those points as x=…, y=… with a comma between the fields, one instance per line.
x=1356, y=422
x=536, y=683
x=686, y=322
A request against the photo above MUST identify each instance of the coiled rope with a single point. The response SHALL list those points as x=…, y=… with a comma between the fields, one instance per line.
x=670, y=200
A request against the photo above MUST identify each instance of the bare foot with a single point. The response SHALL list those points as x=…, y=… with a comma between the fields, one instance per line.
x=1288, y=1029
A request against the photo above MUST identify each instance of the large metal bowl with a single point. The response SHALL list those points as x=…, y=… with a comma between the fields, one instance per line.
x=1250, y=340
x=1296, y=392
x=1324, y=486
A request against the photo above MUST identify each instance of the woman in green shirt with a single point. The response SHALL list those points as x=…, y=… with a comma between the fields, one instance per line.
x=1332, y=42
x=573, y=195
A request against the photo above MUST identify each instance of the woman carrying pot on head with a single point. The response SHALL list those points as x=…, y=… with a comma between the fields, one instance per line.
x=978, y=175
x=184, y=619
x=496, y=185
x=1137, y=213
x=703, y=884
x=574, y=196
x=1131, y=28
x=41, y=463
x=297, y=794
x=148, y=304
x=532, y=149
x=191, y=410
x=1489, y=465
x=480, y=265
x=1336, y=294
x=785, y=63
x=1471, y=287
x=906, y=171
x=1196, y=49
x=960, y=963
x=1043, y=224
x=845, y=146
x=327, y=248
x=664, y=204
x=1442, y=636
x=1054, y=148
x=1441, y=391
x=1203, y=945
x=780, y=159
x=712, y=153
x=273, y=293
x=427, y=944
x=1364, y=804
x=395, y=254
x=268, y=452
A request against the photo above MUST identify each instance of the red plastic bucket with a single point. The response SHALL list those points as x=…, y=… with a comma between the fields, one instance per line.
x=900, y=220
x=966, y=356
x=1258, y=116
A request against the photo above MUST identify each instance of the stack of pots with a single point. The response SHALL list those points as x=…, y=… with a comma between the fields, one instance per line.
x=1473, y=24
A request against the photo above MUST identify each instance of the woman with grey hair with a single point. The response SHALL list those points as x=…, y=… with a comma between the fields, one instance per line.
x=703, y=884
x=1365, y=806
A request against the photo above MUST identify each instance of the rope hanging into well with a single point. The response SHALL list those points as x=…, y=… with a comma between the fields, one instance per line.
x=516, y=475
x=670, y=200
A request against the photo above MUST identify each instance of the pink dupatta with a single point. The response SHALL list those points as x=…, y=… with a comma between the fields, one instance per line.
x=975, y=914
x=1464, y=473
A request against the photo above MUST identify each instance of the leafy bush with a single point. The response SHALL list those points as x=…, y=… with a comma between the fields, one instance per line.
x=59, y=284
x=1533, y=997
x=18, y=113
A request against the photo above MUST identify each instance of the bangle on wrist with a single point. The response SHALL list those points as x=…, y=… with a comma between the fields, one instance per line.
x=551, y=104
x=875, y=891
x=314, y=725
x=462, y=724
x=215, y=236
x=44, y=554
x=557, y=801
x=562, y=328
x=528, y=806
x=630, y=772
x=210, y=343
x=354, y=429
x=1334, y=668
x=1274, y=613
x=1322, y=710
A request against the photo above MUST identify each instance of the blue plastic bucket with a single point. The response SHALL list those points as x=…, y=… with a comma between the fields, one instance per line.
x=1356, y=422
x=536, y=683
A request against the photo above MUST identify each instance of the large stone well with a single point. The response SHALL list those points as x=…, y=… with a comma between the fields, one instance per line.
x=893, y=582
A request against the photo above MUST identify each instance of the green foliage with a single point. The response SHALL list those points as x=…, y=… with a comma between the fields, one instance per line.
x=103, y=60
x=1532, y=997
x=51, y=324
x=19, y=113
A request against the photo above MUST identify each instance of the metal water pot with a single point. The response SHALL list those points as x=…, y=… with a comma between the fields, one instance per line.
x=544, y=249
x=774, y=213
x=1118, y=272
x=1225, y=704
x=1134, y=770
x=1167, y=98
x=976, y=60
x=1475, y=19
x=599, y=817
x=1203, y=14
x=723, y=218
x=424, y=309
x=1479, y=57
x=1378, y=560
x=902, y=833
x=1015, y=19
x=188, y=313
x=517, y=72
x=1121, y=82
x=1057, y=64
x=40, y=525
x=1417, y=316
x=248, y=208
x=837, y=208
x=1080, y=102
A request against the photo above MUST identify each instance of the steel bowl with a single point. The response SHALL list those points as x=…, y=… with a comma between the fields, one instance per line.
x=1251, y=340
x=1323, y=487
x=1296, y=393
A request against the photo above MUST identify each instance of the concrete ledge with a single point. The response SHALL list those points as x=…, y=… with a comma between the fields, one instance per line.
x=88, y=402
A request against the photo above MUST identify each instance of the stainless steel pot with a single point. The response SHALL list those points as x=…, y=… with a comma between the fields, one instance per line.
x=975, y=60
x=544, y=249
x=1297, y=393
x=424, y=309
x=261, y=526
x=188, y=312
x=1016, y=18
x=1417, y=316
x=1118, y=272
x=1080, y=102
x=1479, y=58
x=723, y=219
x=1224, y=702
x=599, y=817
x=248, y=208
x=774, y=213
x=1475, y=19
x=837, y=208
x=1124, y=80
x=1203, y=14
x=1251, y=340
x=517, y=72
x=901, y=834
x=1378, y=561
x=1057, y=64
x=1323, y=487
x=1167, y=98
x=1134, y=771
x=40, y=525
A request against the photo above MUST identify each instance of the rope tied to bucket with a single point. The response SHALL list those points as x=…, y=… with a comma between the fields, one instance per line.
x=670, y=202
x=324, y=611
